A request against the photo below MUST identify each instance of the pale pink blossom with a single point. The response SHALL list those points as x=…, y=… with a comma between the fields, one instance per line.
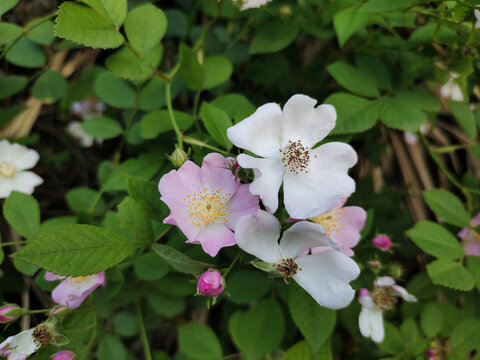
x=471, y=238
x=72, y=291
x=382, y=242
x=210, y=283
x=63, y=355
x=206, y=203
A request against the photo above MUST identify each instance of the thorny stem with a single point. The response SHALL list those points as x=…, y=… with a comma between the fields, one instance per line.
x=143, y=333
x=172, y=115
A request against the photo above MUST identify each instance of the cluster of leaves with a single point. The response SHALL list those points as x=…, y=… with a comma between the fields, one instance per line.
x=177, y=76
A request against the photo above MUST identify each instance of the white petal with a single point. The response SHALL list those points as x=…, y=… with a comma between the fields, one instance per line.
x=258, y=235
x=334, y=157
x=325, y=276
x=25, y=181
x=401, y=291
x=302, y=236
x=19, y=346
x=260, y=133
x=370, y=323
x=269, y=174
x=366, y=301
x=6, y=186
x=302, y=121
x=384, y=281
x=22, y=157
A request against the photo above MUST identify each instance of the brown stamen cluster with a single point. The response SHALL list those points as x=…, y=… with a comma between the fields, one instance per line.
x=383, y=297
x=42, y=335
x=287, y=268
x=295, y=157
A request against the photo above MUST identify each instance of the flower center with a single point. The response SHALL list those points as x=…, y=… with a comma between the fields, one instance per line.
x=287, y=268
x=7, y=169
x=383, y=297
x=42, y=335
x=295, y=157
x=208, y=206
x=330, y=221
x=78, y=279
x=474, y=237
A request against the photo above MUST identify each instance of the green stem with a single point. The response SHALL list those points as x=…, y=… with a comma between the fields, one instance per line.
x=193, y=141
x=239, y=254
x=172, y=116
x=447, y=149
x=195, y=110
x=143, y=333
x=38, y=311
x=13, y=243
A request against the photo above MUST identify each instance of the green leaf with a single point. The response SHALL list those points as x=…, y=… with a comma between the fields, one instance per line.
x=102, y=128
x=381, y=6
x=114, y=11
x=354, y=114
x=134, y=216
x=9, y=32
x=247, y=285
x=41, y=34
x=234, y=105
x=315, y=322
x=451, y=274
x=76, y=250
x=150, y=267
x=166, y=305
x=353, y=79
x=179, y=261
x=466, y=336
x=84, y=25
x=190, y=69
x=299, y=351
x=145, y=166
x=392, y=342
x=431, y=319
x=25, y=53
x=6, y=5
x=401, y=113
x=145, y=27
x=375, y=69
x=435, y=240
x=447, y=206
x=199, y=341
x=217, y=122
x=177, y=23
x=273, y=36
x=114, y=91
x=217, y=70
x=411, y=337
x=473, y=266
x=10, y=85
x=82, y=199
x=126, y=323
x=146, y=194
x=111, y=347
x=127, y=65
x=49, y=87
x=347, y=22
x=9, y=114
x=464, y=117
x=23, y=214
x=158, y=122
x=263, y=321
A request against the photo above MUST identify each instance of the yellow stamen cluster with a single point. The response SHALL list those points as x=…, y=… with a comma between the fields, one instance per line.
x=7, y=169
x=208, y=206
x=78, y=279
x=331, y=221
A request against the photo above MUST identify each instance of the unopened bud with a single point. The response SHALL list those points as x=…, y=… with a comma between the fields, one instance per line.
x=382, y=242
x=63, y=355
x=210, y=283
x=10, y=312
x=59, y=311
x=178, y=157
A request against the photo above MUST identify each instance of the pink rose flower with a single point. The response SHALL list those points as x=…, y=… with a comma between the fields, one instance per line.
x=206, y=203
x=382, y=242
x=72, y=291
x=210, y=283
x=471, y=237
x=63, y=355
x=343, y=225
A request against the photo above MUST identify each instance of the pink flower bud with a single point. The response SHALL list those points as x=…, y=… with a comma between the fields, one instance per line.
x=210, y=283
x=430, y=354
x=63, y=355
x=382, y=242
x=59, y=311
x=10, y=312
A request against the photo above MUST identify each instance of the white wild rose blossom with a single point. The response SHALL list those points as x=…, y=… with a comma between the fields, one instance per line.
x=324, y=275
x=250, y=4
x=313, y=179
x=15, y=159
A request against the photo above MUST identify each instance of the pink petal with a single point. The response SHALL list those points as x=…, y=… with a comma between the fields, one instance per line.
x=216, y=174
x=242, y=203
x=213, y=237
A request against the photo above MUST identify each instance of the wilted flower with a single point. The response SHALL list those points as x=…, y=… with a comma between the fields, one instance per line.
x=210, y=283
x=451, y=90
x=14, y=160
x=63, y=355
x=324, y=275
x=382, y=242
x=10, y=312
x=72, y=291
x=22, y=345
x=75, y=129
x=249, y=4
x=343, y=225
x=471, y=237
x=206, y=203
x=382, y=298
x=313, y=179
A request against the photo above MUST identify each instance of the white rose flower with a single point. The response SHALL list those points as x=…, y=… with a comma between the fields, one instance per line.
x=313, y=179
x=382, y=298
x=324, y=275
x=14, y=160
x=249, y=4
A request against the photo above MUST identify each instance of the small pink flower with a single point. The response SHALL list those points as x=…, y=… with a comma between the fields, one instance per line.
x=382, y=242
x=343, y=225
x=430, y=354
x=9, y=312
x=210, y=283
x=72, y=291
x=206, y=203
x=471, y=237
x=63, y=355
